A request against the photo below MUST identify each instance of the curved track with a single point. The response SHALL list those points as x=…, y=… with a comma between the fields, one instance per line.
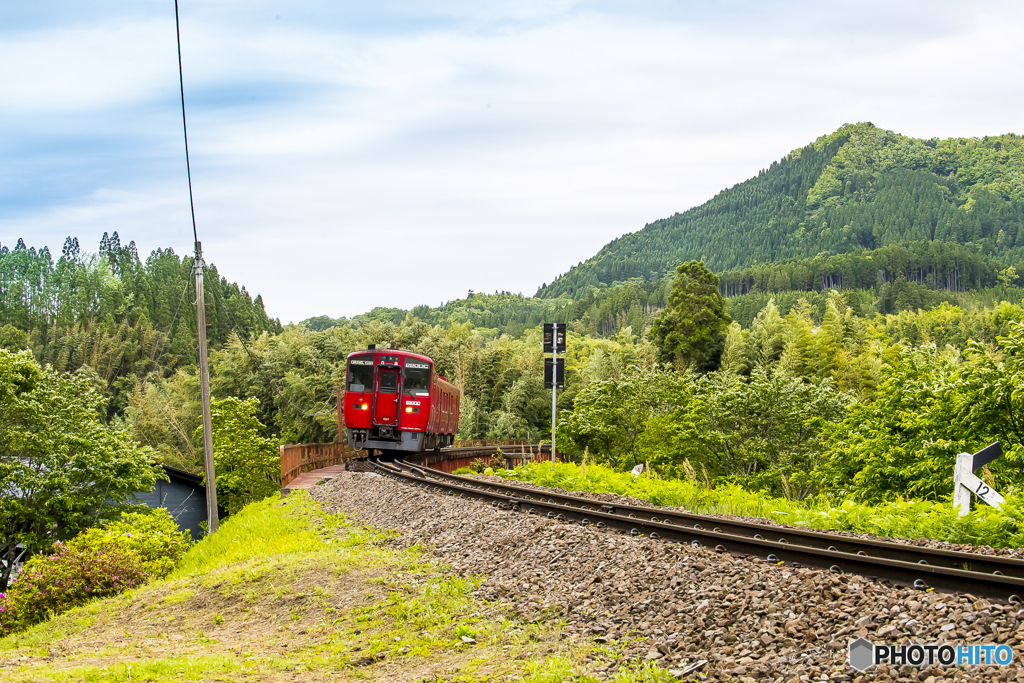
x=924, y=568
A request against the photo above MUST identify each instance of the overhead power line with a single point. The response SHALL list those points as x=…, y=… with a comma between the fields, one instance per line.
x=184, y=125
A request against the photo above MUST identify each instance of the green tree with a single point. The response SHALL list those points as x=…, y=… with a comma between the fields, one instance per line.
x=905, y=441
x=248, y=465
x=756, y=431
x=991, y=396
x=767, y=335
x=798, y=347
x=610, y=416
x=736, y=356
x=62, y=469
x=929, y=407
x=692, y=329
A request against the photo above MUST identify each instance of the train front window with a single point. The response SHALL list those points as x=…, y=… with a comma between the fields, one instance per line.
x=387, y=381
x=360, y=374
x=417, y=379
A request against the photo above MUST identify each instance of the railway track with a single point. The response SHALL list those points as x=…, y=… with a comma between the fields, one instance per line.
x=922, y=568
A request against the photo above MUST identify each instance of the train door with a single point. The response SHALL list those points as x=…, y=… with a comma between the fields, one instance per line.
x=385, y=403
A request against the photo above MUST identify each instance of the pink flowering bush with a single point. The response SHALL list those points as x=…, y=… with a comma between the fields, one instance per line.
x=97, y=563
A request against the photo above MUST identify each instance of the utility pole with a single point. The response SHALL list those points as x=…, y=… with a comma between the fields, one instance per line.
x=204, y=364
x=204, y=383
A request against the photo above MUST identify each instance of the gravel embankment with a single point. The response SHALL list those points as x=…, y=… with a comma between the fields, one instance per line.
x=747, y=618
x=627, y=500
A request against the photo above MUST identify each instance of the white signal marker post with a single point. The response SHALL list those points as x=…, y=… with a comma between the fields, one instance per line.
x=965, y=482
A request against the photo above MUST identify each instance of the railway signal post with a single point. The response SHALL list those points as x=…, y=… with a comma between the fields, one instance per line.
x=554, y=371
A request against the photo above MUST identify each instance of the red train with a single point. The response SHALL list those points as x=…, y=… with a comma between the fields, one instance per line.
x=394, y=401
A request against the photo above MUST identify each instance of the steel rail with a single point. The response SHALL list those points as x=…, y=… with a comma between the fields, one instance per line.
x=953, y=559
x=913, y=574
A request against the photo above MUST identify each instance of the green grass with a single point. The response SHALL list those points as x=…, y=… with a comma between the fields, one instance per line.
x=903, y=518
x=260, y=532
x=336, y=595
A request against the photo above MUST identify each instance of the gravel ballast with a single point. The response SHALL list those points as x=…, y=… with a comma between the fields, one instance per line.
x=677, y=604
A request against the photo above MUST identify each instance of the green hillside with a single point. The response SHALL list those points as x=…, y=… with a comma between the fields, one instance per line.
x=858, y=188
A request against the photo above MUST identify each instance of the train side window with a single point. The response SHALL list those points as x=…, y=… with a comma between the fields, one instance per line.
x=360, y=374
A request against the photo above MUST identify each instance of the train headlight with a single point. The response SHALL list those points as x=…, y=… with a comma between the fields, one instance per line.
x=364, y=407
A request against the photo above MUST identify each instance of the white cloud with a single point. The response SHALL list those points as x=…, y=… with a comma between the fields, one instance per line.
x=342, y=162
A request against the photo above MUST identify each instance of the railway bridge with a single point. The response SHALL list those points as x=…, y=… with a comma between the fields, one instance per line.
x=303, y=465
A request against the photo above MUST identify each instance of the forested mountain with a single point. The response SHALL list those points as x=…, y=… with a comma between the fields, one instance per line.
x=860, y=188
x=121, y=317
x=600, y=312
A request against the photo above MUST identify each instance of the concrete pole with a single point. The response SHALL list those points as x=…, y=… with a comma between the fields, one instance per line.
x=204, y=383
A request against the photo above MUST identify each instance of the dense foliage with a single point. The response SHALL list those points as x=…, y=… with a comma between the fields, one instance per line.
x=62, y=469
x=894, y=271
x=831, y=407
x=295, y=375
x=858, y=188
x=95, y=564
x=121, y=317
x=247, y=464
x=930, y=406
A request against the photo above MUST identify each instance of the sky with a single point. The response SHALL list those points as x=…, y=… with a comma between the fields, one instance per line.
x=350, y=155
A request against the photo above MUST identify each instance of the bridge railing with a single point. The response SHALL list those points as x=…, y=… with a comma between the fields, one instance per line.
x=508, y=454
x=306, y=457
x=487, y=443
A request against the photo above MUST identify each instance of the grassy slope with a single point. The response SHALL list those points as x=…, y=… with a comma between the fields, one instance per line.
x=283, y=591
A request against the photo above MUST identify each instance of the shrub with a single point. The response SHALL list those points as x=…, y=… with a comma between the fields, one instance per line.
x=96, y=563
